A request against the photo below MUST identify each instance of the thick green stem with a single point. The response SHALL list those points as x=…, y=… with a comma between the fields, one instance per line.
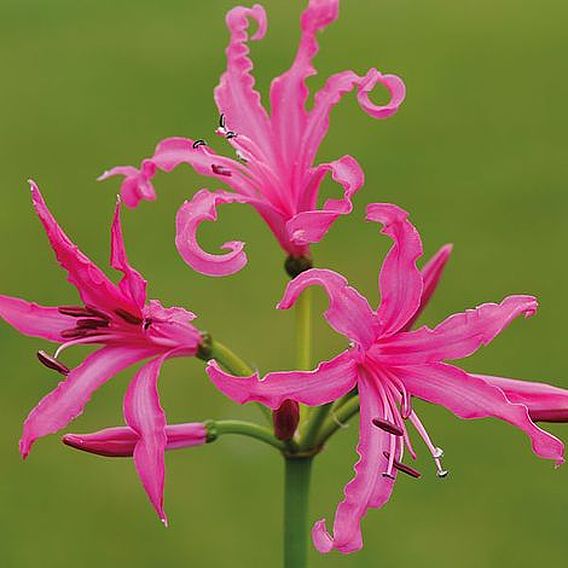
x=216, y=428
x=213, y=349
x=296, y=499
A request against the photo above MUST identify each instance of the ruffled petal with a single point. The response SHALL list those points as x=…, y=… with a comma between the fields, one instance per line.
x=235, y=95
x=34, y=320
x=312, y=225
x=546, y=403
x=458, y=336
x=400, y=281
x=470, y=397
x=67, y=401
x=289, y=92
x=328, y=382
x=132, y=285
x=136, y=185
x=348, y=312
x=368, y=488
x=168, y=155
x=92, y=284
x=338, y=85
x=431, y=273
x=119, y=442
x=144, y=414
x=203, y=207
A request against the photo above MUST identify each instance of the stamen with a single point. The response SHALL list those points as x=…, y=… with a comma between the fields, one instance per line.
x=128, y=317
x=222, y=121
x=388, y=475
x=387, y=426
x=230, y=134
x=404, y=468
x=73, y=311
x=92, y=323
x=147, y=323
x=442, y=473
x=75, y=333
x=198, y=143
x=435, y=451
x=221, y=171
x=241, y=157
x=52, y=363
x=96, y=312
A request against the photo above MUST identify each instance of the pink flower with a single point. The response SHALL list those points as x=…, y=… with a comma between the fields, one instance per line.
x=275, y=169
x=129, y=329
x=121, y=442
x=389, y=365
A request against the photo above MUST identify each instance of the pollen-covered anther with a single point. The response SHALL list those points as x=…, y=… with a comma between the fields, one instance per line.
x=198, y=143
x=387, y=426
x=52, y=363
x=402, y=467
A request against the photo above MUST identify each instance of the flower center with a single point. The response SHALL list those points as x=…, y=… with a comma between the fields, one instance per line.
x=397, y=409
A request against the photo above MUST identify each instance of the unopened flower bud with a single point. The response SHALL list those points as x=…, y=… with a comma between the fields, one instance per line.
x=286, y=419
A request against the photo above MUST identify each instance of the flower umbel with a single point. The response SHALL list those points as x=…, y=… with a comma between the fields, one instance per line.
x=274, y=170
x=128, y=329
x=389, y=365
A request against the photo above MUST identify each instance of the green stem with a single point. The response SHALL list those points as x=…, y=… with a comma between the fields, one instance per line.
x=213, y=349
x=216, y=428
x=338, y=418
x=296, y=494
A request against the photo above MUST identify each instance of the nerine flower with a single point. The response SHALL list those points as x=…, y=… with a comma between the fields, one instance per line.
x=275, y=170
x=389, y=365
x=128, y=330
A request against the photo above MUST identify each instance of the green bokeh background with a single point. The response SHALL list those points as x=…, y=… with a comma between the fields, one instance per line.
x=477, y=154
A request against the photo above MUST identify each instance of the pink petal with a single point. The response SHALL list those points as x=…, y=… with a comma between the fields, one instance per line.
x=289, y=92
x=431, y=273
x=144, y=414
x=328, y=382
x=132, y=285
x=459, y=335
x=67, y=401
x=235, y=95
x=338, y=85
x=400, y=281
x=91, y=282
x=311, y=226
x=546, y=403
x=348, y=312
x=368, y=488
x=203, y=207
x=34, y=320
x=120, y=441
x=137, y=184
x=470, y=397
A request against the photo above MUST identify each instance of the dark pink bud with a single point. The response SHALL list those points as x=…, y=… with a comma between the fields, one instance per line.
x=286, y=419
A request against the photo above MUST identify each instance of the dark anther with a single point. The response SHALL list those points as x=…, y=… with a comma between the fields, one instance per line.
x=404, y=468
x=387, y=426
x=230, y=135
x=75, y=333
x=198, y=143
x=295, y=265
x=128, y=317
x=92, y=323
x=221, y=171
x=52, y=363
x=147, y=324
x=222, y=120
x=93, y=311
x=73, y=311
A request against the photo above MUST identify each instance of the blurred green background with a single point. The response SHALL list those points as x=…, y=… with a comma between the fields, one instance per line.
x=477, y=154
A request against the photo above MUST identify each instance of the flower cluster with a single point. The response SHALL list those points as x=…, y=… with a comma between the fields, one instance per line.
x=386, y=363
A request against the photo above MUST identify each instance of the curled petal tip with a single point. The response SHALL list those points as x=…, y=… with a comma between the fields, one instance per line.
x=164, y=520
x=321, y=538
